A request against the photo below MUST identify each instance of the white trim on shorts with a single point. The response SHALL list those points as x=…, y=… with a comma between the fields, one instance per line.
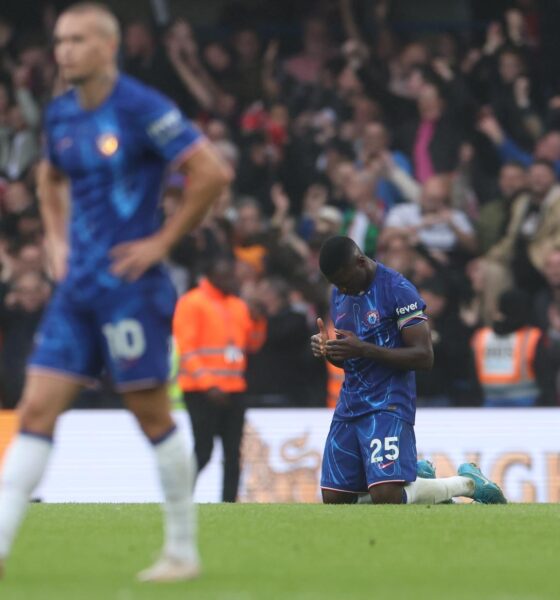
x=345, y=491
x=386, y=481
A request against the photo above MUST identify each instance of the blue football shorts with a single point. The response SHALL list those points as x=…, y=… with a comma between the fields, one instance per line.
x=125, y=332
x=366, y=451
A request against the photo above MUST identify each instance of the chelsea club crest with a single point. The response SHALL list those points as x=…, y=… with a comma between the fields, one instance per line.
x=372, y=317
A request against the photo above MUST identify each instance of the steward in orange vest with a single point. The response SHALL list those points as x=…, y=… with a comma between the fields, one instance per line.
x=505, y=354
x=213, y=330
x=335, y=375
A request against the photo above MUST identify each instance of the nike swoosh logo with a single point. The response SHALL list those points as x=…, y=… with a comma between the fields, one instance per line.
x=387, y=464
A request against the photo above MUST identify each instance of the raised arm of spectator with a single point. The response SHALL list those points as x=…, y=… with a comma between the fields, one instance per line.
x=282, y=223
x=281, y=203
x=271, y=85
x=466, y=237
x=189, y=77
x=507, y=148
x=529, y=117
x=409, y=188
x=348, y=21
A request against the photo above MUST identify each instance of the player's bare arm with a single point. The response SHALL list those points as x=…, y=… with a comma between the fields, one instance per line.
x=416, y=354
x=207, y=177
x=52, y=189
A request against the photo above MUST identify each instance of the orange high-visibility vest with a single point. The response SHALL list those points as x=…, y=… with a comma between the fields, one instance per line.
x=213, y=332
x=335, y=375
x=335, y=379
x=504, y=364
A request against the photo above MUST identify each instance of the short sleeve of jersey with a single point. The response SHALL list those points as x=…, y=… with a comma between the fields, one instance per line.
x=409, y=305
x=169, y=133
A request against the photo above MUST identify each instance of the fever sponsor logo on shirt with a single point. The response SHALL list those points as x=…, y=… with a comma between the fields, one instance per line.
x=404, y=310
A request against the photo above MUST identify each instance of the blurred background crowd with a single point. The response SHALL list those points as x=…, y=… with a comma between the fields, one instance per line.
x=437, y=149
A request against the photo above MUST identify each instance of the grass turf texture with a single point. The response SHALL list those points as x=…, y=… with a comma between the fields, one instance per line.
x=300, y=552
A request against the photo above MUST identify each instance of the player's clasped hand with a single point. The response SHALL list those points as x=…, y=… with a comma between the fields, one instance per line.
x=132, y=259
x=346, y=345
x=318, y=341
x=318, y=346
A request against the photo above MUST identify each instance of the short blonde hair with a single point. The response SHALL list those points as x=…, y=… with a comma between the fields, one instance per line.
x=108, y=23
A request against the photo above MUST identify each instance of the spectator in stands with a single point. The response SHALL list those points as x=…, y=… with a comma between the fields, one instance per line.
x=512, y=101
x=398, y=254
x=495, y=215
x=315, y=198
x=259, y=165
x=375, y=155
x=247, y=67
x=306, y=66
x=17, y=201
x=505, y=354
x=362, y=220
x=182, y=53
x=432, y=221
x=142, y=58
x=433, y=138
x=329, y=221
x=22, y=145
x=480, y=305
x=28, y=258
x=533, y=230
x=250, y=239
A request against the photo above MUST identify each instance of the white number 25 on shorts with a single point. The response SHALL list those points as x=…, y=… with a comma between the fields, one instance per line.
x=391, y=449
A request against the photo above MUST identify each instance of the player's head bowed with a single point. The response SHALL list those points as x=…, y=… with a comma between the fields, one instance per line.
x=343, y=263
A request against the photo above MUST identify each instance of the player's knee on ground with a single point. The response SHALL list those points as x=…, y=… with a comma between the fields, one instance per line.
x=334, y=497
x=387, y=493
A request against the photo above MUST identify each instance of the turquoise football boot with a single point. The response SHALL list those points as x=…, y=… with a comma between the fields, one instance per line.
x=485, y=491
x=425, y=469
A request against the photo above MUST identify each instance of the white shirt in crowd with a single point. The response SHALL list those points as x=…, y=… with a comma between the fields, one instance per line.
x=436, y=237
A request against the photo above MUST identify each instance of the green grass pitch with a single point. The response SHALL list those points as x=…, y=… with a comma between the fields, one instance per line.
x=300, y=552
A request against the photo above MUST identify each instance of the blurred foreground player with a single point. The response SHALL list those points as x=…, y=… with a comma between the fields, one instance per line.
x=109, y=140
x=381, y=337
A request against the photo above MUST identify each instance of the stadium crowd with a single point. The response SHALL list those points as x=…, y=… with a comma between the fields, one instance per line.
x=438, y=154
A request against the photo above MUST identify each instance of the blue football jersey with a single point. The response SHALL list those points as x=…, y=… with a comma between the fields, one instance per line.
x=115, y=157
x=378, y=316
